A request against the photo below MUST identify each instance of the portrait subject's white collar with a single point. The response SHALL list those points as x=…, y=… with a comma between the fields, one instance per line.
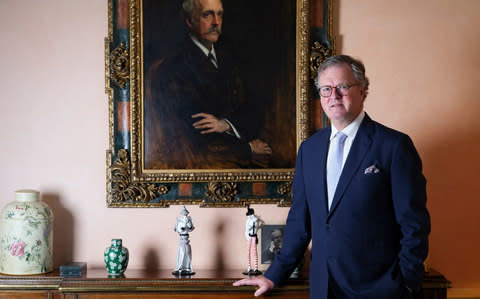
x=203, y=48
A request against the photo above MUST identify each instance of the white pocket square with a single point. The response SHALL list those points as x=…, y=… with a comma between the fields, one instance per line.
x=372, y=169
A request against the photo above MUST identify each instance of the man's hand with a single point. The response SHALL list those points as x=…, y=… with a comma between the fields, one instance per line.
x=210, y=124
x=259, y=147
x=272, y=246
x=264, y=284
x=261, y=153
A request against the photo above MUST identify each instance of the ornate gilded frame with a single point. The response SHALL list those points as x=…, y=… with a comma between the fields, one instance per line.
x=130, y=185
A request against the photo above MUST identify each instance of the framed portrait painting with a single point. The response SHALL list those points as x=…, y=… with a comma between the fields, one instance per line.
x=270, y=240
x=209, y=100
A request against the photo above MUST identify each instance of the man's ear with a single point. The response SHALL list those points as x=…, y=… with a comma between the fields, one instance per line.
x=362, y=91
x=189, y=22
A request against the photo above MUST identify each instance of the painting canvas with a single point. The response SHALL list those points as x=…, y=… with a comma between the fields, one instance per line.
x=253, y=87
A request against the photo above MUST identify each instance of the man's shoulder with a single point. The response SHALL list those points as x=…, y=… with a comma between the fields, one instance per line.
x=180, y=54
x=378, y=130
x=315, y=142
x=177, y=61
x=318, y=136
x=385, y=132
x=387, y=137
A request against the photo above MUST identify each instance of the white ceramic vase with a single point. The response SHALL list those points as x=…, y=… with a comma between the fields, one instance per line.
x=26, y=230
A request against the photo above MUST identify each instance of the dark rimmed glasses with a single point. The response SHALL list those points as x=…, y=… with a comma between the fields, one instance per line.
x=342, y=89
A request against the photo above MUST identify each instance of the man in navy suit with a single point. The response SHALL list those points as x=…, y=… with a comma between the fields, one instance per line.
x=370, y=235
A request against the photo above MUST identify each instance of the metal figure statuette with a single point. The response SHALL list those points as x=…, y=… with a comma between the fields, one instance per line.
x=183, y=226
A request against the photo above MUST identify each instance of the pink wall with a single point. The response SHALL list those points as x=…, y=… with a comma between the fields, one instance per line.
x=423, y=61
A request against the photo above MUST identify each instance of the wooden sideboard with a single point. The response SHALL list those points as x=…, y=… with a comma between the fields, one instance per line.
x=162, y=284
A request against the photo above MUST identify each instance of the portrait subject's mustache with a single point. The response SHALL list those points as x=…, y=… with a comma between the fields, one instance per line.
x=214, y=29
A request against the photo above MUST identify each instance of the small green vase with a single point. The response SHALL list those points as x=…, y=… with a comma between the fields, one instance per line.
x=116, y=258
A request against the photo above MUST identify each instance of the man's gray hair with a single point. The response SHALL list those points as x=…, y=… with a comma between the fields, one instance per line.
x=188, y=7
x=356, y=65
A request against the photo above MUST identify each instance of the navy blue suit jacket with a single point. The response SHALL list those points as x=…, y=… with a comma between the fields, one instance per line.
x=373, y=241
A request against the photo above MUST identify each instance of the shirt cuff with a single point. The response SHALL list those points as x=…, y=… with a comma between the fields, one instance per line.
x=235, y=132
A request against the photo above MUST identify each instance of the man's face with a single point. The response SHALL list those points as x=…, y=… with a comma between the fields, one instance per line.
x=206, y=23
x=341, y=110
x=277, y=237
x=277, y=240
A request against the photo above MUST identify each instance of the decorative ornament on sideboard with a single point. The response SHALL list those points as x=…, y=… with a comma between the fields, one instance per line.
x=26, y=229
x=116, y=258
x=183, y=226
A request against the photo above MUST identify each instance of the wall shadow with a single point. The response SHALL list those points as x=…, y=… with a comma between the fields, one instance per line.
x=151, y=260
x=219, y=265
x=63, y=229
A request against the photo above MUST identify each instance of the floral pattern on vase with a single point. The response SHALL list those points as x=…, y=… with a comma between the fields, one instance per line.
x=116, y=258
x=26, y=245
x=17, y=247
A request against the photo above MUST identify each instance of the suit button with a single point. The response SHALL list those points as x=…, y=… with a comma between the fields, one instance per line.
x=329, y=226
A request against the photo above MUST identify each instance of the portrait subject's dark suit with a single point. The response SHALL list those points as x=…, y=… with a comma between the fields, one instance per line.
x=187, y=83
x=373, y=241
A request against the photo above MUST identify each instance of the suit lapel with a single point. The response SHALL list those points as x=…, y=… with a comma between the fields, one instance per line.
x=357, y=153
x=321, y=165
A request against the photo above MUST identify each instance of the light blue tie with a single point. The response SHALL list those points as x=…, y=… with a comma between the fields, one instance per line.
x=334, y=165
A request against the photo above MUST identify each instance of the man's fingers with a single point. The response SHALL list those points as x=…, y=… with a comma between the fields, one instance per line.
x=261, y=290
x=204, y=117
x=211, y=130
x=245, y=282
x=238, y=283
x=205, y=126
x=202, y=122
x=262, y=282
x=201, y=114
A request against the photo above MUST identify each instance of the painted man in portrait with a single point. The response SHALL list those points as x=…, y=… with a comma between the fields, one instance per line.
x=198, y=113
x=272, y=248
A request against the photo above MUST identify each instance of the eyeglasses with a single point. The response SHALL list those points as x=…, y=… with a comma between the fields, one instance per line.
x=343, y=90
